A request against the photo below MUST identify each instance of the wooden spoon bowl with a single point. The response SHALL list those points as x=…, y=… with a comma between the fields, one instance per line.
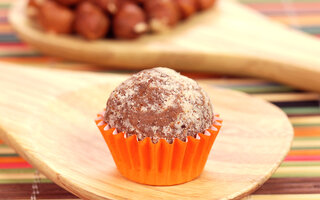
x=48, y=117
x=229, y=39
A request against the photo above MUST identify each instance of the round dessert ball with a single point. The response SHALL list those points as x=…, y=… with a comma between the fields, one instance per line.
x=159, y=103
x=90, y=21
x=55, y=18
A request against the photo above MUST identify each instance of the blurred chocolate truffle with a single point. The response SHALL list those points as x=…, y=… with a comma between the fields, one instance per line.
x=159, y=103
x=55, y=18
x=162, y=14
x=187, y=7
x=205, y=4
x=130, y=22
x=111, y=6
x=91, y=22
x=69, y=2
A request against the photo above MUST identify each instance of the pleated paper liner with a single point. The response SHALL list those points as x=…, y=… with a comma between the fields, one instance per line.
x=161, y=163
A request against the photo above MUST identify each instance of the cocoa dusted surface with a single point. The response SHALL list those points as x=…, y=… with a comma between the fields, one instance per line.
x=159, y=103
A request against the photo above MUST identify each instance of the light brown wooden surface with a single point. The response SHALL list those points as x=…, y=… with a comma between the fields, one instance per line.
x=229, y=39
x=48, y=117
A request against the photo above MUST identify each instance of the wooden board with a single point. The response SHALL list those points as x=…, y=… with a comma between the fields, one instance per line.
x=229, y=39
x=48, y=117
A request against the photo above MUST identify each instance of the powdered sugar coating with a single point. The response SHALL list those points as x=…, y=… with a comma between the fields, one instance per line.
x=159, y=103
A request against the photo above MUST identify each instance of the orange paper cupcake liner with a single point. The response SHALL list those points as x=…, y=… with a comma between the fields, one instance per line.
x=161, y=163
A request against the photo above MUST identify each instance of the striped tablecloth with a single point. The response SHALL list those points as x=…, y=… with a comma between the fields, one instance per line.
x=298, y=177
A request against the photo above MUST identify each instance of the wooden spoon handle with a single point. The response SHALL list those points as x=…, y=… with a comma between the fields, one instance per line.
x=25, y=88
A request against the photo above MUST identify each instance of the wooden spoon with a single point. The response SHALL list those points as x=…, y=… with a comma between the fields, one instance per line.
x=48, y=117
x=228, y=39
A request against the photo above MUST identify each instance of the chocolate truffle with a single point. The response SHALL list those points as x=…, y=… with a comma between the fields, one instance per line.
x=159, y=103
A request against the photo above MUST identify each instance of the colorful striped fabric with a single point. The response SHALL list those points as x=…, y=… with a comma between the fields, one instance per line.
x=298, y=174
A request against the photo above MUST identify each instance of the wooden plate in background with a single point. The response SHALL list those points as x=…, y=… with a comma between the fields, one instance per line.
x=228, y=39
x=48, y=117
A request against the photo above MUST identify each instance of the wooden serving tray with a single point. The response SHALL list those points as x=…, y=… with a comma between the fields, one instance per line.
x=228, y=39
x=48, y=117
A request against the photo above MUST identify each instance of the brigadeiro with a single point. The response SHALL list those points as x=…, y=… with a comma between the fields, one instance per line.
x=159, y=103
x=159, y=127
